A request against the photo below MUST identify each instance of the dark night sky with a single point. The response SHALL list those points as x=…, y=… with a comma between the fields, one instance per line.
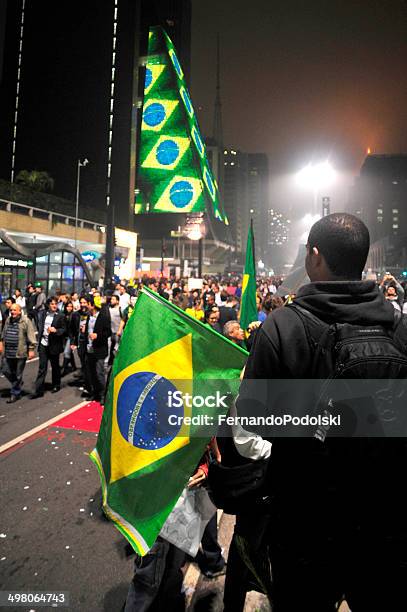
x=303, y=80
x=300, y=81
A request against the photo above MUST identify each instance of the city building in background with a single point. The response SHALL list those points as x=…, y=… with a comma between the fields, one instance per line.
x=379, y=197
x=258, y=198
x=235, y=196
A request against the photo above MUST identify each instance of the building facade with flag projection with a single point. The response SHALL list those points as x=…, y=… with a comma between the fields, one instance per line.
x=173, y=174
x=147, y=449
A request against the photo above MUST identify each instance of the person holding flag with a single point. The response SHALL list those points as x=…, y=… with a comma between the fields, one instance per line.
x=248, y=309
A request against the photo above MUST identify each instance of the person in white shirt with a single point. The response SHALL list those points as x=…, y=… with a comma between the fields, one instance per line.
x=20, y=299
x=124, y=297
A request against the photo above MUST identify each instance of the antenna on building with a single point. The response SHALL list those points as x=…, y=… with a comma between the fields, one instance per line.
x=217, y=116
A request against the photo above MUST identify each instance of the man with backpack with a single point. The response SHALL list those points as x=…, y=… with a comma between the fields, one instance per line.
x=338, y=528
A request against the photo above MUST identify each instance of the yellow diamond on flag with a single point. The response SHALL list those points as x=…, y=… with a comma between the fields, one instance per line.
x=156, y=113
x=166, y=153
x=142, y=432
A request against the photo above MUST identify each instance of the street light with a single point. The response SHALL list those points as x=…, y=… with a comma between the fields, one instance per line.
x=78, y=178
x=196, y=231
x=316, y=177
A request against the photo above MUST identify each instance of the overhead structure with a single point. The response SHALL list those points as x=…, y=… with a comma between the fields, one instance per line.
x=173, y=173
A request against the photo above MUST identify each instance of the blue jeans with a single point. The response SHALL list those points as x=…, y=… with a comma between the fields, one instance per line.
x=13, y=370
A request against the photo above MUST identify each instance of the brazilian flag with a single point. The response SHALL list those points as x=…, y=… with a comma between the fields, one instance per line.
x=143, y=456
x=248, y=310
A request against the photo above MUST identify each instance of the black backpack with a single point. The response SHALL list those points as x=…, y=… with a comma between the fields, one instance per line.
x=361, y=375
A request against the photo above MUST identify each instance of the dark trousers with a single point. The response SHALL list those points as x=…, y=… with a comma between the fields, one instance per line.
x=157, y=581
x=13, y=370
x=45, y=356
x=251, y=526
x=95, y=376
x=209, y=558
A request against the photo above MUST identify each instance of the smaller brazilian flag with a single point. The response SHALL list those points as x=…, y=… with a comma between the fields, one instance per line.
x=147, y=449
x=248, y=309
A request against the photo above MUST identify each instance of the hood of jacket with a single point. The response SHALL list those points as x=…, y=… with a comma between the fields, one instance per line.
x=355, y=302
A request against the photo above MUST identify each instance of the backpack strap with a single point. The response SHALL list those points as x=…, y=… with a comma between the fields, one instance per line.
x=321, y=338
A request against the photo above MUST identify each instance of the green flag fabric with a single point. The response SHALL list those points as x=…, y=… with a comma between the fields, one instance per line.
x=173, y=170
x=248, y=309
x=148, y=444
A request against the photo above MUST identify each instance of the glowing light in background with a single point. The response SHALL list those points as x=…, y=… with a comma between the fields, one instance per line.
x=316, y=176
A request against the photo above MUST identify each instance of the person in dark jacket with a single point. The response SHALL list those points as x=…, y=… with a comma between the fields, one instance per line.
x=69, y=357
x=77, y=332
x=338, y=526
x=30, y=300
x=51, y=333
x=97, y=332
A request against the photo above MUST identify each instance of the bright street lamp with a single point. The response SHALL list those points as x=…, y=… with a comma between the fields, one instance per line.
x=78, y=178
x=196, y=231
x=316, y=177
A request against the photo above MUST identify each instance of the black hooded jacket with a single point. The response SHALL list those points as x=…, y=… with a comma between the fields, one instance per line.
x=281, y=348
x=302, y=470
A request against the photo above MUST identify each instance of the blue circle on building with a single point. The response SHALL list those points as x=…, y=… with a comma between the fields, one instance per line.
x=143, y=411
x=149, y=78
x=154, y=114
x=167, y=152
x=181, y=194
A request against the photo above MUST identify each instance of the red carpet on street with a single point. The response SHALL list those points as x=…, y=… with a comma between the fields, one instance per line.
x=87, y=418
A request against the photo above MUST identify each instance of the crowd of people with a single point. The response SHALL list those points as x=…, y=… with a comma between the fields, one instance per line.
x=89, y=326
x=340, y=516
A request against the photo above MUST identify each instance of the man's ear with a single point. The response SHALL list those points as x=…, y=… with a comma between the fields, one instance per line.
x=315, y=251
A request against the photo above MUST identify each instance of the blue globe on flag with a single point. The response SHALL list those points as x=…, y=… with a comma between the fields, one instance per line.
x=143, y=412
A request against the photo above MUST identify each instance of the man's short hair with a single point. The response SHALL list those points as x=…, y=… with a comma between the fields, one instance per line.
x=53, y=298
x=344, y=242
x=227, y=328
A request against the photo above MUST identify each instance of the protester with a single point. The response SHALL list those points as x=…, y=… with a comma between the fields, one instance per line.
x=20, y=299
x=69, y=357
x=212, y=319
x=51, y=332
x=40, y=301
x=390, y=293
x=115, y=319
x=17, y=343
x=124, y=297
x=77, y=335
x=196, y=312
x=5, y=310
x=226, y=312
x=75, y=301
x=30, y=300
x=126, y=314
x=97, y=332
x=338, y=509
x=234, y=332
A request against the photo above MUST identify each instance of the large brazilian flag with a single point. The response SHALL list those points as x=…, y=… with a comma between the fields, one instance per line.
x=144, y=458
x=173, y=174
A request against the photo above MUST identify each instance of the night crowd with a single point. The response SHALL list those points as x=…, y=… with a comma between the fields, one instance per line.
x=332, y=513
